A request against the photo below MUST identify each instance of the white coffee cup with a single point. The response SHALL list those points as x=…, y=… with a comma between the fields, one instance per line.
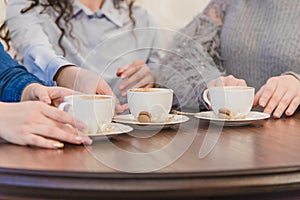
x=156, y=101
x=236, y=99
x=96, y=111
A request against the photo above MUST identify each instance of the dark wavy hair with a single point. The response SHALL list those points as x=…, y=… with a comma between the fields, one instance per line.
x=64, y=8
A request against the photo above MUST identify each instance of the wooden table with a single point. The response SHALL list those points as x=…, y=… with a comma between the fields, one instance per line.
x=259, y=161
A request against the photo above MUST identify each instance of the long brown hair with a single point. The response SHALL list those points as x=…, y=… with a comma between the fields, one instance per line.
x=64, y=8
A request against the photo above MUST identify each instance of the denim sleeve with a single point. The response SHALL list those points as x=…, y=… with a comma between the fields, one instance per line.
x=13, y=78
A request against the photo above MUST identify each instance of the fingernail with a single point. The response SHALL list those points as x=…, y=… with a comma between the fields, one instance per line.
x=276, y=115
x=78, y=138
x=262, y=104
x=58, y=145
x=124, y=94
x=87, y=141
x=46, y=101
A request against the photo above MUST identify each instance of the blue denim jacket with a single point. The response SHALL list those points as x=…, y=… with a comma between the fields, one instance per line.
x=13, y=78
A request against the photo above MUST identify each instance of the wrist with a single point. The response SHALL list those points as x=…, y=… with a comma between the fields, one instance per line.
x=66, y=76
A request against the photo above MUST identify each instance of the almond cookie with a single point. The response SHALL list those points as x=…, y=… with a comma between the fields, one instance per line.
x=144, y=117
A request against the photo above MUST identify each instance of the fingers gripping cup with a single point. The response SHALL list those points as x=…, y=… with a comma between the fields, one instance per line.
x=230, y=102
x=96, y=111
x=150, y=104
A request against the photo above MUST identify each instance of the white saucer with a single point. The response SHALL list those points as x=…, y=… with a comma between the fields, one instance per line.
x=112, y=130
x=251, y=118
x=129, y=119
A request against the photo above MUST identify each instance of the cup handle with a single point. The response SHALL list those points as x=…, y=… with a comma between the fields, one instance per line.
x=205, y=97
x=63, y=105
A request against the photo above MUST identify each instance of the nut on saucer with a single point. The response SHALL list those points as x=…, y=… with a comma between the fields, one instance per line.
x=223, y=116
x=144, y=117
x=224, y=113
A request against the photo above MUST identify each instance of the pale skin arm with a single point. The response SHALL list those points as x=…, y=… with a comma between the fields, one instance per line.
x=135, y=75
x=85, y=81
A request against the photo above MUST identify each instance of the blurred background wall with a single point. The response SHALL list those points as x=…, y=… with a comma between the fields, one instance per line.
x=2, y=10
x=174, y=14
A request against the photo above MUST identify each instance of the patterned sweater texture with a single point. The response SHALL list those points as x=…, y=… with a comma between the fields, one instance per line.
x=256, y=40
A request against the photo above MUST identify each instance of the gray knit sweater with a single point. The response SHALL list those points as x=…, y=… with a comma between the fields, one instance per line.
x=257, y=39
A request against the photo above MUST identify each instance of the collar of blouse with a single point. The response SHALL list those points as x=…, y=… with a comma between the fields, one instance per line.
x=116, y=16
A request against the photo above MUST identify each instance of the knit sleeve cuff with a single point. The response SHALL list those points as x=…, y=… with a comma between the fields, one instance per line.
x=297, y=76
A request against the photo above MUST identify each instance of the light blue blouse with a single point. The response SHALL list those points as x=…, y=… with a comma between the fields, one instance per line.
x=101, y=41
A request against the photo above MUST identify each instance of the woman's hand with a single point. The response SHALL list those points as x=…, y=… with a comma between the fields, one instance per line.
x=226, y=81
x=38, y=124
x=85, y=81
x=136, y=75
x=280, y=94
x=48, y=95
